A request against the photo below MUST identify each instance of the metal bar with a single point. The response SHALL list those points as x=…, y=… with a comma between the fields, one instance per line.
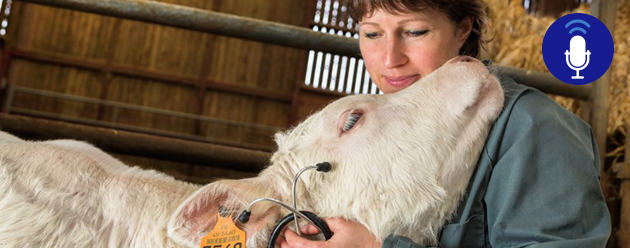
x=139, y=144
x=141, y=108
x=145, y=74
x=212, y=22
x=545, y=82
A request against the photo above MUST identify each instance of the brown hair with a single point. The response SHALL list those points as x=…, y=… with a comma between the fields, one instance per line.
x=456, y=10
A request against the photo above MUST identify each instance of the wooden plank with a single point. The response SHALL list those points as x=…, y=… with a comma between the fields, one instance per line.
x=152, y=94
x=243, y=109
x=311, y=101
x=65, y=80
x=159, y=58
x=60, y=31
x=146, y=74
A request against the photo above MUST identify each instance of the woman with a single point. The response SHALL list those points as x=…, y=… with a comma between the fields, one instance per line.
x=537, y=179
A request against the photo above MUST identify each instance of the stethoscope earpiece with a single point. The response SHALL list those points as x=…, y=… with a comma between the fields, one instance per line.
x=324, y=167
x=244, y=217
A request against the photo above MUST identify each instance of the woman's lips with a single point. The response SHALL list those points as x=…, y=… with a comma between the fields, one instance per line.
x=401, y=81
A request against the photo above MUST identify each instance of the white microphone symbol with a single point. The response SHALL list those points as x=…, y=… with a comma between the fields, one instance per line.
x=577, y=55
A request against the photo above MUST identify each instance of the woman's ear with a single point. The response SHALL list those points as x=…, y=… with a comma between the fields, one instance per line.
x=463, y=30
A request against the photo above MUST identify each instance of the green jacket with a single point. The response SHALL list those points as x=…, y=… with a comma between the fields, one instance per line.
x=536, y=183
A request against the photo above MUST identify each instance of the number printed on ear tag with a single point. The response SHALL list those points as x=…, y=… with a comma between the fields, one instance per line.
x=225, y=234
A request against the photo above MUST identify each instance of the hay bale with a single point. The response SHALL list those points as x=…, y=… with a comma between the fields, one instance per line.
x=517, y=41
x=619, y=113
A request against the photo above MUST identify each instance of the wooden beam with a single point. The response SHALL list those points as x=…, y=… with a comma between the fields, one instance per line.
x=624, y=216
x=137, y=144
x=604, y=10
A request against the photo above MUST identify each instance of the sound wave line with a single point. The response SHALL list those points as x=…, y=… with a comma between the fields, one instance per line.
x=577, y=29
x=579, y=21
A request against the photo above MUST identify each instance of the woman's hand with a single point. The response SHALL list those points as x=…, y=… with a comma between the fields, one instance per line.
x=347, y=234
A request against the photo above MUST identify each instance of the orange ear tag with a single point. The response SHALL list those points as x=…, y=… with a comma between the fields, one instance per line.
x=225, y=234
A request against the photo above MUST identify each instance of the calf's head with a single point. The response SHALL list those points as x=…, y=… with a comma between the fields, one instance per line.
x=400, y=162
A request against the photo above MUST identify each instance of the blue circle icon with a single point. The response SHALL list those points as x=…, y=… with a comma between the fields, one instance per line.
x=578, y=49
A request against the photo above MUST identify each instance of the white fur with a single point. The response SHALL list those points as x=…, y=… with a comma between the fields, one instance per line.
x=8, y=138
x=402, y=170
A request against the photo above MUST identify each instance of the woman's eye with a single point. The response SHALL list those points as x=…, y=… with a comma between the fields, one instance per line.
x=416, y=33
x=370, y=35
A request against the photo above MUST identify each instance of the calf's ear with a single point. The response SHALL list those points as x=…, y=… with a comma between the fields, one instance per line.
x=197, y=215
x=461, y=96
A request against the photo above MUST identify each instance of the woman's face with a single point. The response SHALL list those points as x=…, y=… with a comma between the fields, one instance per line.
x=399, y=49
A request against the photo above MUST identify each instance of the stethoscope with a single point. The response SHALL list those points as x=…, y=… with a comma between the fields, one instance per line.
x=310, y=217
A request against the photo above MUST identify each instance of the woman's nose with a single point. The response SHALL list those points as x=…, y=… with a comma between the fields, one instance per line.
x=394, y=54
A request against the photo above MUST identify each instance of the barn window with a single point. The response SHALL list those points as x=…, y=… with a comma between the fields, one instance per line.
x=331, y=71
x=6, y=10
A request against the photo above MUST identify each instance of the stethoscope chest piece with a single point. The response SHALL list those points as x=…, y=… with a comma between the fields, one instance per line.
x=313, y=218
x=308, y=216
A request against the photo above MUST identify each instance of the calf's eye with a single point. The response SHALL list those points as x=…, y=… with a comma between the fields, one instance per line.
x=351, y=120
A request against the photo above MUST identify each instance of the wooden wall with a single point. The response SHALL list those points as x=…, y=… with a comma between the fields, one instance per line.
x=192, y=62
